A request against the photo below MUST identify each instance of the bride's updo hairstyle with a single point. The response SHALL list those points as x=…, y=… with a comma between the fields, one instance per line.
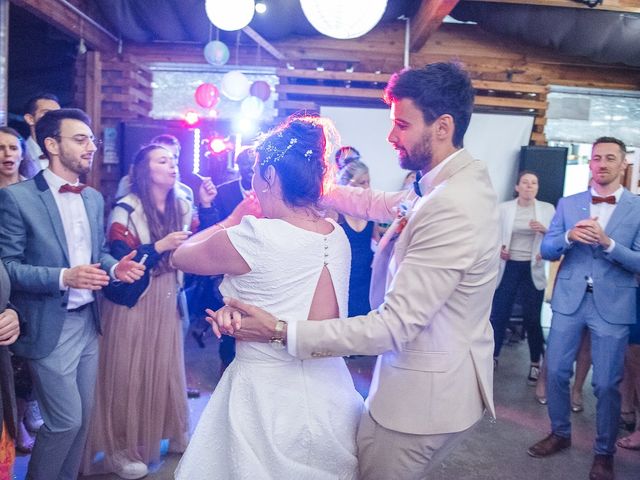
x=298, y=149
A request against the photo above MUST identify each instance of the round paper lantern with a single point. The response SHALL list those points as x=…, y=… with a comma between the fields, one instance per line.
x=207, y=95
x=343, y=19
x=252, y=107
x=230, y=15
x=235, y=85
x=260, y=89
x=216, y=53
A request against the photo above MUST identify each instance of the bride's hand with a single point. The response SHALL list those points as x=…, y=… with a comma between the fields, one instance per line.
x=225, y=321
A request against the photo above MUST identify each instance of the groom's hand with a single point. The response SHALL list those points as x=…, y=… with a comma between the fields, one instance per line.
x=245, y=322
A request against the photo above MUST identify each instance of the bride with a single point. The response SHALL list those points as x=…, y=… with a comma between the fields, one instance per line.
x=273, y=416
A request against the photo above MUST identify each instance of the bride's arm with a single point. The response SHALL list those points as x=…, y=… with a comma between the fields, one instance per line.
x=209, y=252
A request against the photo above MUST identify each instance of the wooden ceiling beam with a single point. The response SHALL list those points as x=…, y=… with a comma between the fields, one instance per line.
x=333, y=75
x=66, y=17
x=627, y=6
x=260, y=40
x=427, y=20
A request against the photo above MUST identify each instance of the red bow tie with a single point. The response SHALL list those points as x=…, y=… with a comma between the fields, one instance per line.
x=611, y=200
x=72, y=188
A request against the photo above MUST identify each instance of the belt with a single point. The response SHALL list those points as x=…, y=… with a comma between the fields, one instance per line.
x=79, y=309
x=589, y=288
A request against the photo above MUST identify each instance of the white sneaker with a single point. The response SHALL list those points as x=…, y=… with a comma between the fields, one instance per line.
x=32, y=418
x=126, y=468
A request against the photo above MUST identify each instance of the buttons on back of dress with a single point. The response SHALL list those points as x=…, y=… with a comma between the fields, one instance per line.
x=326, y=251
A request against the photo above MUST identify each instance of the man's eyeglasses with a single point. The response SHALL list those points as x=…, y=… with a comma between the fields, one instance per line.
x=83, y=140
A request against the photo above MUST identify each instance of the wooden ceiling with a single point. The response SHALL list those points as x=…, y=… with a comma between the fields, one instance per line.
x=627, y=6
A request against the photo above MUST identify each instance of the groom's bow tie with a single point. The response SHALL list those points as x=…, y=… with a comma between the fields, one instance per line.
x=416, y=184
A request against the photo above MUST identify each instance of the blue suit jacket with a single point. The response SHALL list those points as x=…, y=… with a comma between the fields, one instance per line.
x=613, y=274
x=33, y=248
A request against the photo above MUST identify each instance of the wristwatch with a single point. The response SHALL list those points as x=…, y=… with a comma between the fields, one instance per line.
x=278, y=340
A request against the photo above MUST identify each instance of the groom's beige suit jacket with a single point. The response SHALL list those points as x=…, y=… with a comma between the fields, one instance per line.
x=435, y=371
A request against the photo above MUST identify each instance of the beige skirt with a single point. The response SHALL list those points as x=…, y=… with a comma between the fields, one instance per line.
x=141, y=390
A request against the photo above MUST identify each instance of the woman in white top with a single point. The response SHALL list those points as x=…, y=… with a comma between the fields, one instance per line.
x=523, y=222
x=273, y=416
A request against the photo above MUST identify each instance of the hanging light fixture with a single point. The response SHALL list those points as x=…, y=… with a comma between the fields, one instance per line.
x=343, y=19
x=230, y=15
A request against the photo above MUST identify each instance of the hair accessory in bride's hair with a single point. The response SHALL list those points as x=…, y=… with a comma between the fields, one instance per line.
x=308, y=154
x=274, y=154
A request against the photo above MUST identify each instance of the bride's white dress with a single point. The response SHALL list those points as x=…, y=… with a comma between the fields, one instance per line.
x=273, y=416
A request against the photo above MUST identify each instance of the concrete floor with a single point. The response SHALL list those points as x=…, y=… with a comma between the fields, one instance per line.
x=495, y=450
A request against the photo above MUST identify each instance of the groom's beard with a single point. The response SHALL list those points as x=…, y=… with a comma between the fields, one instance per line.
x=419, y=157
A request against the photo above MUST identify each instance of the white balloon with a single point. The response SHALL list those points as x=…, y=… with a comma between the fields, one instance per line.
x=230, y=15
x=252, y=107
x=235, y=85
x=343, y=19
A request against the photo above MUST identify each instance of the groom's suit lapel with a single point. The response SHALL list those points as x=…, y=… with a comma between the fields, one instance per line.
x=393, y=241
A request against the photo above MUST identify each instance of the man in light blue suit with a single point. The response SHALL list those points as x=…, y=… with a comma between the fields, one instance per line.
x=598, y=232
x=52, y=245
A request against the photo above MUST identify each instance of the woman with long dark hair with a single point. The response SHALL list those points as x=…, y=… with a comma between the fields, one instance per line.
x=140, y=392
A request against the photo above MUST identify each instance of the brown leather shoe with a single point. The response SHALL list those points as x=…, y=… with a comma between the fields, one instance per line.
x=551, y=444
x=602, y=468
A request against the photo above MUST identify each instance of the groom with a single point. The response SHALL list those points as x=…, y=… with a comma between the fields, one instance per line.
x=438, y=264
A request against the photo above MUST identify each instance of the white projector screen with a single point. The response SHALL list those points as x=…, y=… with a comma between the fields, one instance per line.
x=493, y=138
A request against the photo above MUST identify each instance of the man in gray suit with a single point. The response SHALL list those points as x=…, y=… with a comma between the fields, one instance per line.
x=598, y=232
x=52, y=245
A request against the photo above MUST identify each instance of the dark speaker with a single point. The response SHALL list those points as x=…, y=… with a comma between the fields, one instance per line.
x=549, y=163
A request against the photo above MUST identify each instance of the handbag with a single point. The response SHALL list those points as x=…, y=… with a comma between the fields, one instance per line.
x=121, y=242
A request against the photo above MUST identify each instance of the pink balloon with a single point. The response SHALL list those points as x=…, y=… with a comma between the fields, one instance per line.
x=260, y=89
x=207, y=95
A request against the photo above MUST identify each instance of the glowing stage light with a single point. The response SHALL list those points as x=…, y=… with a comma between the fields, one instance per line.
x=191, y=118
x=196, y=150
x=245, y=126
x=217, y=145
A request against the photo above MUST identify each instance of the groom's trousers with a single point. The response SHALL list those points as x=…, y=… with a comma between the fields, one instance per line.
x=385, y=454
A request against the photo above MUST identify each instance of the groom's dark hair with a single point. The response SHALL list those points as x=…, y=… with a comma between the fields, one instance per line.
x=436, y=89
